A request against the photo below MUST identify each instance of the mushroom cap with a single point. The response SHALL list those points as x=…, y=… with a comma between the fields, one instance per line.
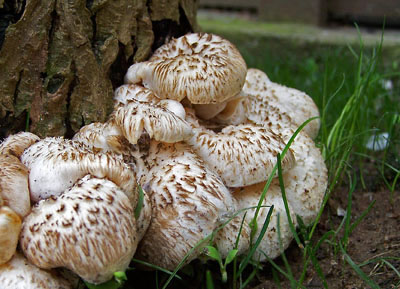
x=102, y=137
x=189, y=201
x=19, y=273
x=271, y=244
x=306, y=182
x=14, y=184
x=10, y=227
x=162, y=125
x=298, y=105
x=205, y=68
x=106, y=137
x=16, y=144
x=241, y=155
x=226, y=238
x=89, y=229
x=55, y=164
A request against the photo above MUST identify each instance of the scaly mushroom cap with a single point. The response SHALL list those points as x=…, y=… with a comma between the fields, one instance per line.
x=225, y=239
x=205, y=68
x=306, y=182
x=89, y=229
x=10, y=227
x=189, y=202
x=298, y=105
x=241, y=155
x=14, y=184
x=271, y=243
x=16, y=144
x=102, y=137
x=18, y=273
x=106, y=137
x=139, y=93
x=55, y=164
x=136, y=117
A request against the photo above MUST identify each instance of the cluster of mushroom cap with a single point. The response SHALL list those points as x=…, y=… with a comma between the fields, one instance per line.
x=200, y=134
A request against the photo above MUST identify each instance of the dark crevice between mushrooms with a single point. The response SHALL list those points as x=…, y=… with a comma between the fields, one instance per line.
x=166, y=29
x=10, y=13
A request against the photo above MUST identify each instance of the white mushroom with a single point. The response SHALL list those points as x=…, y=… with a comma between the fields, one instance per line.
x=298, y=105
x=19, y=273
x=14, y=184
x=189, y=202
x=205, y=68
x=138, y=110
x=139, y=93
x=241, y=155
x=10, y=227
x=306, y=182
x=55, y=164
x=89, y=229
x=228, y=237
x=272, y=244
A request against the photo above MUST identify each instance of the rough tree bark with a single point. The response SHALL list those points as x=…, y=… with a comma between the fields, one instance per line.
x=61, y=59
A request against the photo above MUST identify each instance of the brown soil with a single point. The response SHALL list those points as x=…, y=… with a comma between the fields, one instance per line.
x=378, y=235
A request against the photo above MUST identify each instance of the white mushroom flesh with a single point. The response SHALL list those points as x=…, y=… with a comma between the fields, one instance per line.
x=89, y=229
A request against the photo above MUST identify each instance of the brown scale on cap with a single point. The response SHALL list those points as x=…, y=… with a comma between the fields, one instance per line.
x=89, y=229
x=205, y=68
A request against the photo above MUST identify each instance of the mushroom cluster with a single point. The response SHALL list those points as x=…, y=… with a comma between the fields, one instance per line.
x=193, y=137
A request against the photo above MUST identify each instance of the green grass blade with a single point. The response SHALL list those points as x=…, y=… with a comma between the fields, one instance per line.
x=358, y=270
x=254, y=247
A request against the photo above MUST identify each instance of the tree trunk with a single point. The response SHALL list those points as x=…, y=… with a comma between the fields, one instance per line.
x=61, y=59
